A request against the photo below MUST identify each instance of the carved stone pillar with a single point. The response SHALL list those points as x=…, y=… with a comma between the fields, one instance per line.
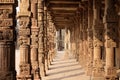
x=81, y=48
x=24, y=40
x=73, y=47
x=90, y=38
x=41, y=55
x=7, y=38
x=66, y=56
x=111, y=35
x=46, y=37
x=98, y=69
x=34, y=41
x=52, y=42
x=84, y=48
x=81, y=39
x=84, y=30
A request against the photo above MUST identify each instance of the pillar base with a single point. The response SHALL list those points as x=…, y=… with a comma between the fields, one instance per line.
x=111, y=73
x=97, y=78
x=8, y=75
x=35, y=70
x=46, y=64
x=89, y=72
x=24, y=77
x=98, y=72
x=42, y=70
x=112, y=78
x=89, y=69
x=24, y=72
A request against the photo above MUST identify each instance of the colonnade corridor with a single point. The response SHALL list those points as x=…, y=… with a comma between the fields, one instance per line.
x=33, y=36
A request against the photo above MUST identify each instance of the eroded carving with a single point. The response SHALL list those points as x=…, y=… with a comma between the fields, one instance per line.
x=24, y=69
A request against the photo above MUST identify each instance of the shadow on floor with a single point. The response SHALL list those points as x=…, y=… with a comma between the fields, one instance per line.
x=61, y=69
x=68, y=76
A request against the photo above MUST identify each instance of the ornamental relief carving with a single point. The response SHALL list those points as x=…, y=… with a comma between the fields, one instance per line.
x=110, y=43
x=111, y=15
x=90, y=42
x=34, y=40
x=98, y=34
x=34, y=23
x=24, y=23
x=25, y=69
x=6, y=34
x=24, y=32
x=7, y=1
x=23, y=40
x=111, y=71
x=6, y=22
x=98, y=37
x=111, y=31
x=4, y=13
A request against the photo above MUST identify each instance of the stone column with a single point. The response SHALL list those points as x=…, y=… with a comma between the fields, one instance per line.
x=7, y=38
x=66, y=56
x=46, y=38
x=84, y=31
x=81, y=39
x=90, y=38
x=41, y=55
x=73, y=47
x=111, y=35
x=76, y=23
x=52, y=42
x=98, y=69
x=34, y=41
x=24, y=39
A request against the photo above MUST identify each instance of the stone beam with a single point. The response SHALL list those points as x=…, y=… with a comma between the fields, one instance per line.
x=64, y=2
x=63, y=8
x=64, y=5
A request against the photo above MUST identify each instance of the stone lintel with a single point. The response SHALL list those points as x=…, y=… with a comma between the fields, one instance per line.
x=7, y=1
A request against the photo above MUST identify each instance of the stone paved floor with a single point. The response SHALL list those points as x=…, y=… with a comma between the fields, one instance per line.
x=65, y=69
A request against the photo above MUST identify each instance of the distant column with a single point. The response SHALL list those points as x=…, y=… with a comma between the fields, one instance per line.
x=111, y=35
x=46, y=37
x=41, y=55
x=98, y=69
x=90, y=38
